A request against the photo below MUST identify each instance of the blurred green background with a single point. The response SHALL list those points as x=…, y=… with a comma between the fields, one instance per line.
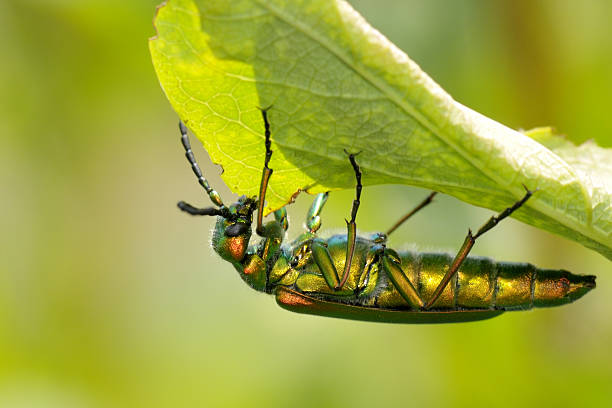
x=110, y=297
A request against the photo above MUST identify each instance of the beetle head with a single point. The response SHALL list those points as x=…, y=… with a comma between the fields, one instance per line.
x=233, y=230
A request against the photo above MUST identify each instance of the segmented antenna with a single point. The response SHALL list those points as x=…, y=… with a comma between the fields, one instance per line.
x=214, y=196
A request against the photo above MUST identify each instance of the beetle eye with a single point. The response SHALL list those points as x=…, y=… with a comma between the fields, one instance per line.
x=237, y=229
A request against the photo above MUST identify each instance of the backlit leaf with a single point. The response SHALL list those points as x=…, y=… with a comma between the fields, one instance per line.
x=336, y=83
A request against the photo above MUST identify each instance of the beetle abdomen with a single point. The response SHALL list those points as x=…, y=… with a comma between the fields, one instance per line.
x=482, y=283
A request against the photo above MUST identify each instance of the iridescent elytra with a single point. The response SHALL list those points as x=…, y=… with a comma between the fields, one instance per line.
x=358, y=277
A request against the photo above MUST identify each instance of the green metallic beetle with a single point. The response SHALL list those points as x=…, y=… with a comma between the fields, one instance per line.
x=359, y=278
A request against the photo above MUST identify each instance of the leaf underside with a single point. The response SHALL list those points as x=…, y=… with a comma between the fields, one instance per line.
x=336, y=83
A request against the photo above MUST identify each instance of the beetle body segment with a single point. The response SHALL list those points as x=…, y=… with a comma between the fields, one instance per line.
x=481, y=284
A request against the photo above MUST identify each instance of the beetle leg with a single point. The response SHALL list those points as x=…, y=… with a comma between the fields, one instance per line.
x=416, y=209
x=325, y=263
x=281, y=217
x=469, y=243
x=392, y=266
x=351, y=226
x=273, y=234
x=313, y=219
x=372, y=259
x=254, y=272
x=265, y=175
x=255, y=265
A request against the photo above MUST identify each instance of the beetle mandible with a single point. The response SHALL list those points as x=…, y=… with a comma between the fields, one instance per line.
x=358, y=277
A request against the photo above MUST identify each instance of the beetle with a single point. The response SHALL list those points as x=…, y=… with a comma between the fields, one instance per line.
x=358, y=277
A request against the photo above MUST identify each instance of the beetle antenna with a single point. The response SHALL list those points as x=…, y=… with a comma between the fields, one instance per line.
x=190, y=209
x=214, y=196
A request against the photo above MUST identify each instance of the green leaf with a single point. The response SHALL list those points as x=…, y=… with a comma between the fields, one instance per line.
x=336, y=83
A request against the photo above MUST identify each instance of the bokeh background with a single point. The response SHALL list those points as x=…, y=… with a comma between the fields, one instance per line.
x=110, y=297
